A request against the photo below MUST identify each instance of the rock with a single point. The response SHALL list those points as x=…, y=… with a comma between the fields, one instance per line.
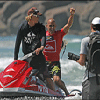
x=9, y=8
x=12, y=13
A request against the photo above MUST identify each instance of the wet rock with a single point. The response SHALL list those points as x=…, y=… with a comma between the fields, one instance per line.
x=12, y=13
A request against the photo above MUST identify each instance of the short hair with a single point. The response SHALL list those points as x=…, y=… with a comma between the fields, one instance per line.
x=96, y=27
x=50, y=19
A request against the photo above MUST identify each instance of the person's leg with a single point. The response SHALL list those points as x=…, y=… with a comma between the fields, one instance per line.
x=48, y=79
x=61, y=84
x=56, y=71
x=46, y=74
x=94, y=89
x=50, y=84
x=90, y=89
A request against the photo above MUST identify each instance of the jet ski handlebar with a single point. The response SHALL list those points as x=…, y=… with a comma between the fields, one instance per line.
x=29, y=55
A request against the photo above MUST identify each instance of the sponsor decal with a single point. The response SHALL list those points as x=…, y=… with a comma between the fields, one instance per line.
x=7, y=76
x=49, y=38
x=7, y=84
x=11, y=69
x=23, y=69
x=29, y=38
x=45, y=89
x=50, y=46
x=42, y=89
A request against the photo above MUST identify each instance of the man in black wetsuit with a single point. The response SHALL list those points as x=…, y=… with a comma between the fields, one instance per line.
x=32, y=34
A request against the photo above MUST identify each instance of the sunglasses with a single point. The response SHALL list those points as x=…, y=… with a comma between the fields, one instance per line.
x=35, y=15
x=35, y=12
x=51, y=25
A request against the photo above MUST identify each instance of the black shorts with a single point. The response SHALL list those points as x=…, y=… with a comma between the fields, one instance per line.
x=54, y=68
x=39, y=62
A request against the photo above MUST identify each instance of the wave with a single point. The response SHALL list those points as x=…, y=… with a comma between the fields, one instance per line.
x=11, y=44
x=71, y=71
x=69, y=65
x=4, y=62
x=8, y=44
x=74, y=87
x=74, y=40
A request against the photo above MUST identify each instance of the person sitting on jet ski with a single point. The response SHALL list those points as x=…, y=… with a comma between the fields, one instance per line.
x=32, y=34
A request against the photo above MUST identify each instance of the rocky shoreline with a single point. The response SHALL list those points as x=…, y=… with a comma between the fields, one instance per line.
x=12, y=13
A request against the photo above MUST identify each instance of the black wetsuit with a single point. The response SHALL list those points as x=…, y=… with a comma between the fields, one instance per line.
x=31, y=38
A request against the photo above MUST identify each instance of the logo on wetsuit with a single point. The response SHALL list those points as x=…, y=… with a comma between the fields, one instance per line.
x=50, y=44
x=29, y=38
x=32, y=40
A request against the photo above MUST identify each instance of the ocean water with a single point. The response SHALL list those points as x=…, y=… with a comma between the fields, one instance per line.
x=72, y=72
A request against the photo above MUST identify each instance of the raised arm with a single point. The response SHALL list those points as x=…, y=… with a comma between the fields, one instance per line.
x=70, y=21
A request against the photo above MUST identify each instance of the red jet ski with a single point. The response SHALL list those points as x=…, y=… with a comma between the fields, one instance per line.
x=20, y=79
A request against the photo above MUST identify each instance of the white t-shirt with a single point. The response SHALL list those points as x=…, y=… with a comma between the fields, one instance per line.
x=84, y=50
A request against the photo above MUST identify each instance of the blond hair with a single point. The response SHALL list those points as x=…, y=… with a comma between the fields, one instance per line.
x=29, y=17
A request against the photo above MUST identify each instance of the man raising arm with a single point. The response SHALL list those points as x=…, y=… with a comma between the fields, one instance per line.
x=53, y=48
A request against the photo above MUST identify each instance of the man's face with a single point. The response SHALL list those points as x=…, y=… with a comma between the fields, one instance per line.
x=35, y=18
x=51, y=26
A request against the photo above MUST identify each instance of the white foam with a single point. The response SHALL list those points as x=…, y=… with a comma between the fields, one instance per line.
x=74, y=40
x=68, y=65
x=70, y=88
x=4, y=62
x=7, y=44
x=77, y=96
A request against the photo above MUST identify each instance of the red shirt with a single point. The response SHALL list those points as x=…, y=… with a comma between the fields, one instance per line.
x=53, y=45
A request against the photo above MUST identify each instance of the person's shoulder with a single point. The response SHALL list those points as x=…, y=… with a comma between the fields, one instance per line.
x=86, y=39
x=40, y=24
x=23, y=25
x=57, y=31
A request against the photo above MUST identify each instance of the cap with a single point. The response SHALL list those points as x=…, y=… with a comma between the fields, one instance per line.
x=96, y=20
x=34, y=11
